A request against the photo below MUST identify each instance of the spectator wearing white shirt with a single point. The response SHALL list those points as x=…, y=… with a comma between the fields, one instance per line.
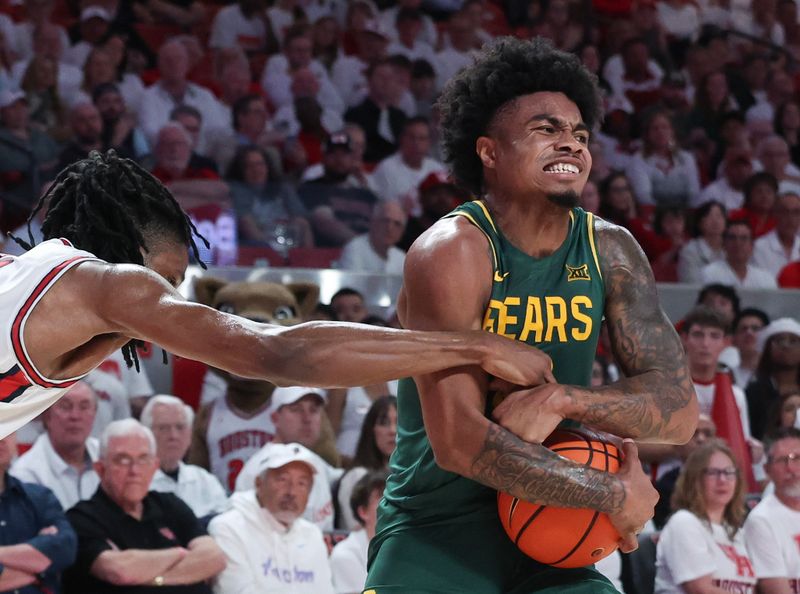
x=349, y=557
x=269, y=547
x=703, y=544
x=706, y=245
x=461, y=51
x=170, y=420
x=94, y=25
x=37, y=14
x=112, y=400
x=679, y=19
x=297, y=415
x=349, y=74
x=774, y=155
x=779, y=90
x=305, y=85
x=174, y=89
x=772, y=529
x=398, y=177
x=279, y=72
x=408, y=42
x=736, y=270
x=244, y=24
x=377, y=251
x=780, y=246
x=427, y=33
x=62, y=458
x=728, y=189
x=49, y=43
x=661, y=173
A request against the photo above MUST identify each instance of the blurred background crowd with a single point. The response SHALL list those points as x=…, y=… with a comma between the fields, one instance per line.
x=303, y=133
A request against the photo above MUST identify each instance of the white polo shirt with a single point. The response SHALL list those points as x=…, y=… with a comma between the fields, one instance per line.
x=198, y=488
x=769, y=254
x=41, y=465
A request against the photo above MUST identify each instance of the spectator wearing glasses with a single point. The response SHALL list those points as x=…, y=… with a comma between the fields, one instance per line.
x=778, y=370
x=772, y=529
x=129, y=536
x=735, y=270
x=703, y=545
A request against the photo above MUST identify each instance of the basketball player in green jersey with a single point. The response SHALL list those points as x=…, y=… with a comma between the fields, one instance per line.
x=526, y=263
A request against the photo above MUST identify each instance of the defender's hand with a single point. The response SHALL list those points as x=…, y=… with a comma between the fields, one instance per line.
x=533, y=414
x=517, y=362
x=640, y=499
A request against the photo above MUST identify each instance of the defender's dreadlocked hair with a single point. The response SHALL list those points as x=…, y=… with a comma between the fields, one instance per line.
x=508, y=69
x=107, y=205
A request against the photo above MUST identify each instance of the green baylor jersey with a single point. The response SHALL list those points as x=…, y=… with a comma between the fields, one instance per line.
x=554, y=303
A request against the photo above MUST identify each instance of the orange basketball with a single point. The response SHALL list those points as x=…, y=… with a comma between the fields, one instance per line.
x=560, y=536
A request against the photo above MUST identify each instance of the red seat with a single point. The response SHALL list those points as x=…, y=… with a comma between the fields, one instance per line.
x=187, y=380
x=249, y=255
x=314, y=257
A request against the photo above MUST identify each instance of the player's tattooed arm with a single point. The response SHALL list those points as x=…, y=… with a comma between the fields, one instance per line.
x=534, y=473
x=656, y=400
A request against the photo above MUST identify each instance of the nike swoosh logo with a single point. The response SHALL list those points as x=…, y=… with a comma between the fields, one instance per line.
x=498, y=278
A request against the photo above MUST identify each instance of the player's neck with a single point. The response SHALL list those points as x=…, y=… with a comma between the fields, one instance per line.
x=715, y=514
x=537, y=227
x=703, y=374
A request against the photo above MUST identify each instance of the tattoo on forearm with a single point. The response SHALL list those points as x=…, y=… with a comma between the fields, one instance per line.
x=534, y=473
x=646, y=347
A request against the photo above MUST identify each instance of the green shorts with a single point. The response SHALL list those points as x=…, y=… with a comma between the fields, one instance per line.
x=469, y=558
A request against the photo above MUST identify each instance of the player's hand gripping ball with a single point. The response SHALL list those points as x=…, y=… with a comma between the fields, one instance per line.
x=560, y=536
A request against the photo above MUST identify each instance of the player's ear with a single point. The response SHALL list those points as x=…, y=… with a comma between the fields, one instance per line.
x=485, y=147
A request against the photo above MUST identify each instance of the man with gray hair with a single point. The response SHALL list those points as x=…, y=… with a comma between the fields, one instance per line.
x=270, y=548
x=130, y=536
x=377, y=251
x=62, y=458
x=776, y=249
x=170, y=420
x=772, y=530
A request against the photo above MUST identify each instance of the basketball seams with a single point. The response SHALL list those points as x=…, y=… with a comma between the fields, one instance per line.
x=590, y=451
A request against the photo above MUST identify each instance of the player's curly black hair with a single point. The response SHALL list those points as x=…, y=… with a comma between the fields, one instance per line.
x=115, y=209
x=506, y=69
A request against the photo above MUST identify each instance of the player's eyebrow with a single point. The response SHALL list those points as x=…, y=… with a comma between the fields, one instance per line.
x=558, y=122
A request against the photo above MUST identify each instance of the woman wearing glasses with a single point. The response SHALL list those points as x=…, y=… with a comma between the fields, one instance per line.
x=701, y=549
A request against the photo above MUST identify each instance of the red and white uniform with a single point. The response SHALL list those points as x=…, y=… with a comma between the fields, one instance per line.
x=24, y=391
x=232, y=439
x=689, y=548
x=772, y=531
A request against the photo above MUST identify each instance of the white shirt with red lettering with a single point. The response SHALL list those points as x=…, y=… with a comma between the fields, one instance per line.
x=24, y=391
x=689, y=549
x=232, y=439
x=772, y=531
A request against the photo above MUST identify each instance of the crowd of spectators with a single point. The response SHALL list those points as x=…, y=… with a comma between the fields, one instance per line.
x=292, y=125
x=282, y=126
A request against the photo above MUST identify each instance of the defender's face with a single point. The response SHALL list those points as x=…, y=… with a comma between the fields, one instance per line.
x=169, y=261
x=540, y=144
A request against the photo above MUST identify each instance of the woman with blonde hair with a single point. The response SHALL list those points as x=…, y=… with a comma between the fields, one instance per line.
x=47, y=109
x=702, y=549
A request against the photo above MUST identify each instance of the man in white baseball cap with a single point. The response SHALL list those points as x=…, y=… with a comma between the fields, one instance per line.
x=297, y=415
x=269, y=547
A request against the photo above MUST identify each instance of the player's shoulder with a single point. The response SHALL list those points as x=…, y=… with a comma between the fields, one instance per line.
x=616, y=246
x=450, y=239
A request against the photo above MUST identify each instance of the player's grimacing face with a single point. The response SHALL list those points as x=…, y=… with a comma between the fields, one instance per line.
x=542, y=145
